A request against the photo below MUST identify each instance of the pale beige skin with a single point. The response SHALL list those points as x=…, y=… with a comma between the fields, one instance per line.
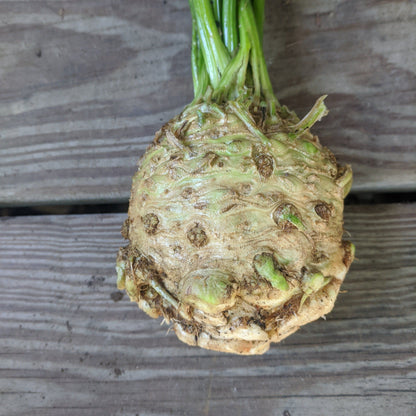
x=213, y=192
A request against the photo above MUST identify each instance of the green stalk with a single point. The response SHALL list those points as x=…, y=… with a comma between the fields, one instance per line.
x=316, y=113
x=216, y=4
x=248, y=22
x=199, y=73
x=195, y=53
x=229, y=24
x=245, y=46
x=203, y=79
x=258, y=7
x=258, y=63
x=233, y=78
x=215, y=53
x=228, y=63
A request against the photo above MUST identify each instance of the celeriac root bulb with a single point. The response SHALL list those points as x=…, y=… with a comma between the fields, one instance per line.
x=235, y=217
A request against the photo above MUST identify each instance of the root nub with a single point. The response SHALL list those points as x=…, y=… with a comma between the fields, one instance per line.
x=197, y=236
x=150, y=223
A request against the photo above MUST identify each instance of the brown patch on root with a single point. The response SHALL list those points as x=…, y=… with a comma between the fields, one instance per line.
x=319, y=257
x=341, y=171
x=257, y=321
x=273, y=319
x=259, y=115
x=197, y=236
x=139, y=263
x=122, y=254
x=200, y=205
x=291, y=307
x=144, y=264
x=264, y=164
x=323, y=210
x=187, y=332
x=125, y=229
x=348, y=255
x=226, y=209
x=187, y=193
x=150, y=223
x=142, y=270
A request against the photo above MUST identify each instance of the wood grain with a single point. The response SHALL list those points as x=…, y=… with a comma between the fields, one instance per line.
x=70, y=344
x=84, y=84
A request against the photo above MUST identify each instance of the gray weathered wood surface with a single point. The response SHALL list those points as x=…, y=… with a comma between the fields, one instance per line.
x=70, y=346
x=84, y=84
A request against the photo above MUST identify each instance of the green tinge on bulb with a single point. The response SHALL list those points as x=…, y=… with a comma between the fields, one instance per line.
x=264, y=265
x=309, y=147
x=131, y=288
x=312, y=284
x=352, y=249
x=121, y=274
x=295, y=221
x=287, y=215
x=209, y=290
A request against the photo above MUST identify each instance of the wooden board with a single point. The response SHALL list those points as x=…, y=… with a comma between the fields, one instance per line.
x=84, y=84
x=71, y=344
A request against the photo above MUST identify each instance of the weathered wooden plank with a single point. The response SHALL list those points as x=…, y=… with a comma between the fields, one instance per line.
x=70, y=345
x=84, y=85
